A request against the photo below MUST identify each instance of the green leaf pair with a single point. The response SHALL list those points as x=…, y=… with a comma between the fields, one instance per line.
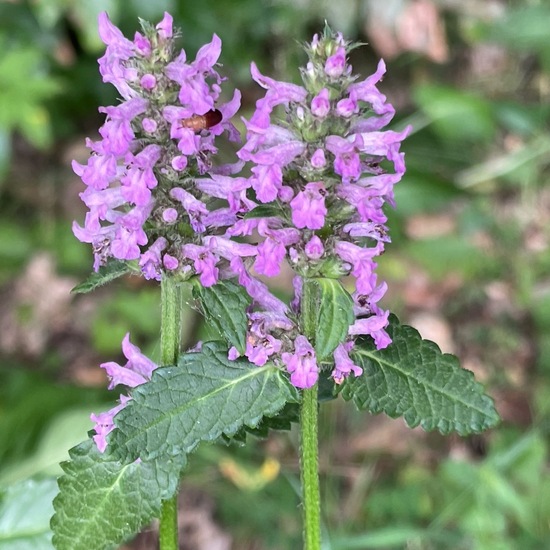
x=224, y=305
x=105, y=498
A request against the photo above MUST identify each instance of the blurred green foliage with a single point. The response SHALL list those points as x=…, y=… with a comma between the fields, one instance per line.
x=25, y=511
x=479, y=157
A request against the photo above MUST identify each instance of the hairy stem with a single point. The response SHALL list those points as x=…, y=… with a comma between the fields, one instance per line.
x=170, y=339
x=309, y=446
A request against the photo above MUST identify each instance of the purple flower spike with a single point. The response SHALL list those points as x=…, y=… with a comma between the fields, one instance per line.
x=204, y=262
x=119, y=49
x=268, y=181
x=165, y=26
x=136, y=360
x=141, y=178
x=151, y=262
x=335, y=64
x=122, y=375
x=318, y=159
x=374, y=327
x=117, y=132
x=322, y=165
x=101, y=169
x=314, y=248
x=347, y=162
x=195, y=208
x=277, y=93
x=171, y=263
x=137, y=370
x=320, y=104
x=258, y=350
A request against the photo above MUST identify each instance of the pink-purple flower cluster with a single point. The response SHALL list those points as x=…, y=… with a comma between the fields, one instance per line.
x=321, y=159
x=322, y=167
x=140, y=192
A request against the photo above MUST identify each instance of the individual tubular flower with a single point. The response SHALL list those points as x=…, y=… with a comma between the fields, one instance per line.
x=141, y=192
x=104, y=423
x=302, y=364
x=324, y=166
x=343, y=365
x=137, y=370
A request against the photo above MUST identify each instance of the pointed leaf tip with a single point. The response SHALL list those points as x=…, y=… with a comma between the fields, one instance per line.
x=412, y=378
x=103, y=501
x=106, y=273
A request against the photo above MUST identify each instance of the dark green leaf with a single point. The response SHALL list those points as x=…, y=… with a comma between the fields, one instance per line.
x=414, y=379
x=224, y=305
x=283, y=420
x=334, y=317
x=201, y=398
x=264, y=211
x=25, y=510
x=107, y=273
x=103, y=501
x=327, y=389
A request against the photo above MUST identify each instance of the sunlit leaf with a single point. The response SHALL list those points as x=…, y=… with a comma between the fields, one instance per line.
x=204, y=396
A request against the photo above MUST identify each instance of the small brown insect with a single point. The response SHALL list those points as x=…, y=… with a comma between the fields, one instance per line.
x=202, y=122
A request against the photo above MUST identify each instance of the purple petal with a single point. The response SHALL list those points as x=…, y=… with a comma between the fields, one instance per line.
x=165, y=26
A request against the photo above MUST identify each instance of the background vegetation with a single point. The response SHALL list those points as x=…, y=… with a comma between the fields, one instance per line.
x=469, y=267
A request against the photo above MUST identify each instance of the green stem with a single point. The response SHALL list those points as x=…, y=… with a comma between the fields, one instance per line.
x=309, y=463
x=170, y=339
x=170, y=323
x=309, y=445
x=168, y=526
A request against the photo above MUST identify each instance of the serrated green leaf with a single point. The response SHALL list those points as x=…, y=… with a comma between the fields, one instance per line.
x=201, y=398
x=25, y=510
x=224, y=305
x=106, y=273
x=103, y=501
x=264, y=211
x=334, y=317
x=289, y=415
x=414, y=379
x=283, y=420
